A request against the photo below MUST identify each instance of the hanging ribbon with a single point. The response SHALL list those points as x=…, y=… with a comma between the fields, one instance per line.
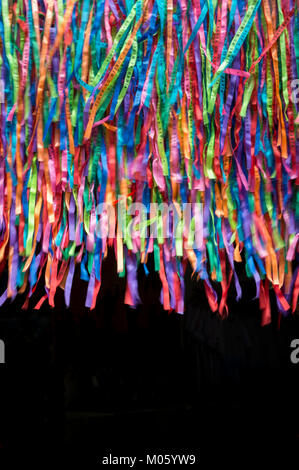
x=145, y=104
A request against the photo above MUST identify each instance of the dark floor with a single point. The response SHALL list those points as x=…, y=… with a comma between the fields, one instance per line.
x=78, y=385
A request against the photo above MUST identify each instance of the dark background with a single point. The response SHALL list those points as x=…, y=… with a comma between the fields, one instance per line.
x=80, y=384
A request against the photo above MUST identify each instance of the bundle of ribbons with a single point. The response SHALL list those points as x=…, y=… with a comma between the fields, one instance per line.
x=157, y=101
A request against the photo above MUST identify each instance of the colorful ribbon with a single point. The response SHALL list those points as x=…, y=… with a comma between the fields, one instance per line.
x=152, y=102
